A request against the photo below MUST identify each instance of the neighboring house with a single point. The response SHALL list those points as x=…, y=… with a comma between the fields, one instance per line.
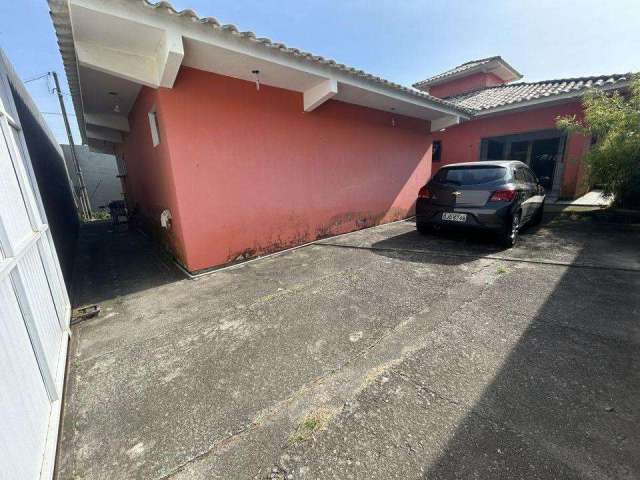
x=238, y=145
x=36, y=210
x=515, y=120
x=100, y=173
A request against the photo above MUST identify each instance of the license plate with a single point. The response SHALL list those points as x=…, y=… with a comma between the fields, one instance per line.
x=454, y=217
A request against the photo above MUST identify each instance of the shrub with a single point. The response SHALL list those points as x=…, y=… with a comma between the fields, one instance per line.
x=613, y=120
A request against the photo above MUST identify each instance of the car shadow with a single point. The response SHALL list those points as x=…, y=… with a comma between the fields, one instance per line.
x=443, y=246
x=451, y=246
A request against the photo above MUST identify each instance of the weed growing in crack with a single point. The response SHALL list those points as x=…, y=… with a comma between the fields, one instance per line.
x=312, y=423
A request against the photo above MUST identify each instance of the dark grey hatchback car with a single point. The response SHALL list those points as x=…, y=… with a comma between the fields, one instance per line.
x=500, y=196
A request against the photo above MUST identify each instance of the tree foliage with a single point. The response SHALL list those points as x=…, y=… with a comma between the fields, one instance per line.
x=613, y=120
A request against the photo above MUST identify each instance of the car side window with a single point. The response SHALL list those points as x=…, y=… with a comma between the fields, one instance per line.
x=519, y=175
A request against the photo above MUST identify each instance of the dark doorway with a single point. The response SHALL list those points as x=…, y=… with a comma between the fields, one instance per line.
x=541, y=150
x=543, y=160
x=495, y=149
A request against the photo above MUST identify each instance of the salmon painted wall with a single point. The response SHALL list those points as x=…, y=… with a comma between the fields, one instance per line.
x=254, y=173
x=461, y=143
x=150, y=186
x=465, y=84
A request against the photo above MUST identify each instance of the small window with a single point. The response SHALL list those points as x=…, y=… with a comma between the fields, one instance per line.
x=436, y=151
x=153, y=125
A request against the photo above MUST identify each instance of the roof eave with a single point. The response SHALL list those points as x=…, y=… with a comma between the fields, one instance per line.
x=64, y=28
x=59, y=11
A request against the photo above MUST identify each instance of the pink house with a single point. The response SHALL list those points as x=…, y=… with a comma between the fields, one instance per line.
x=233, y=146
x=515, y=121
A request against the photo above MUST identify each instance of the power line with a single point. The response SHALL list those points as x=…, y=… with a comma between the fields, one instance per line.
x=57, y=113
x=52, y=91
x=36, y=78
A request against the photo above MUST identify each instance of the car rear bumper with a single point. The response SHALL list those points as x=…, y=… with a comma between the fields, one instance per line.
x=485, y=218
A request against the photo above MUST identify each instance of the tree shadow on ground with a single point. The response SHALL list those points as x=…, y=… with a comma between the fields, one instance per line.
x=565, y=403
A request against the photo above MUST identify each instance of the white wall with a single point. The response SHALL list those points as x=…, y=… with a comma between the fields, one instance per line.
x=100, y=175
x=34, y=306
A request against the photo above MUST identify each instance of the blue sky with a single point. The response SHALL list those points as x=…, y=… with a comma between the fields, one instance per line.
x=401, y=40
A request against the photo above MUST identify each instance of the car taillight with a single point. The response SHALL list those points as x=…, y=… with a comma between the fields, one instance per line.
x=424, y=192
x=503, y=196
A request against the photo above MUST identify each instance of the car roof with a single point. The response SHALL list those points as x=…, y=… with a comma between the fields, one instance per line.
x=488, y=163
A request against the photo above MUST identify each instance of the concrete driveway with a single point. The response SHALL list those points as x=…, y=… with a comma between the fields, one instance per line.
x=379, y=354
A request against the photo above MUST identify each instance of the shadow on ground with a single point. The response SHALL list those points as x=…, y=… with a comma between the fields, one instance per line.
x=575, y=241
x=461, y=247
x=536, y=376
x=565, y=402
x=428, y=357
x=112, y=263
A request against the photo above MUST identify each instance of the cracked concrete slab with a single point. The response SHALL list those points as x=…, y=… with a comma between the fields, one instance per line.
x=402, y=356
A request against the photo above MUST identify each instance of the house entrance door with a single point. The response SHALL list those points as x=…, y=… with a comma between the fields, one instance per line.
x=543, y=160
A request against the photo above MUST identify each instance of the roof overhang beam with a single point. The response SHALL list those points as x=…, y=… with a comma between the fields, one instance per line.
x=104, y=134
x=114, y=122
x=444, y=122
x=123, y=47
x=316, y=96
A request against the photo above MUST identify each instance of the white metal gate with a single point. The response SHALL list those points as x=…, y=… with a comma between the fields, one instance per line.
x=34, y=311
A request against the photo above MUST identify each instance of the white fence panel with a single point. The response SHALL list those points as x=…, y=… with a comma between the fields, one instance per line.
x=41, y=307
x=34, y=311
x=23, y=399
x=13, y=211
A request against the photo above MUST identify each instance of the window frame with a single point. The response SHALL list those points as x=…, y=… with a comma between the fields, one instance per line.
x=154, y=126
x=436, y=158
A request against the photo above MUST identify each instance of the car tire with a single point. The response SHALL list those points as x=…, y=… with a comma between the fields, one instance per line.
x=509, y=235
x=537, y=217
x=423, y=228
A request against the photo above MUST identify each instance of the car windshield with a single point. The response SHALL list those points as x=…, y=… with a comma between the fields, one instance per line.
x=470, y=175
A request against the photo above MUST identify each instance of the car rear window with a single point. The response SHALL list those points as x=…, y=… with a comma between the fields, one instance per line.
x=470, y=175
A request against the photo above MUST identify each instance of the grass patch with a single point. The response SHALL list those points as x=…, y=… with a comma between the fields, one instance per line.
x=311, y=424
x=305, y=430
x=501, y=269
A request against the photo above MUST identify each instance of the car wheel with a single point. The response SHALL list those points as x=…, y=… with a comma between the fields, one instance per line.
x=509, y=235
x=423, y=228
x=537, y=217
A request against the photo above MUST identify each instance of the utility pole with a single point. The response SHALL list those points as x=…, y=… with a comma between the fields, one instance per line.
x=85, y=206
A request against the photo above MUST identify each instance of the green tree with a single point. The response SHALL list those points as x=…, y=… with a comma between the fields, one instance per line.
x=613, y=120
